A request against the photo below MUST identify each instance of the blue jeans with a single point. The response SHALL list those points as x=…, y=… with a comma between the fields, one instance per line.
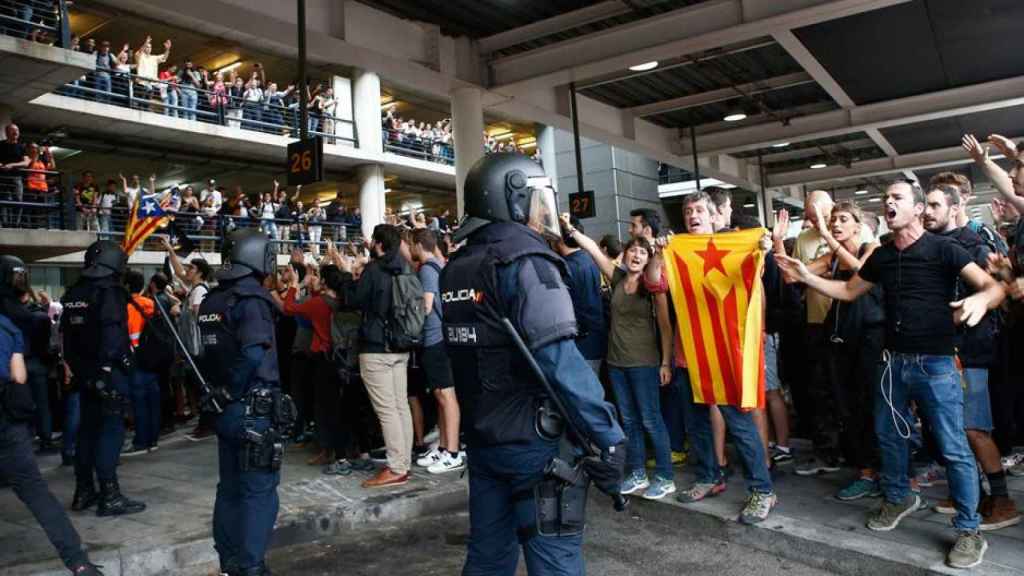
x=189, y=101
x=748, y=444
x=498, y=475
x=100, y=435
x=639, y=400
x=170, y=100
x=677, y=408
x=977, y=405
x=146, y=404
x=247, y=502
x=934, y=383
x=72, y=420
x=101, y=82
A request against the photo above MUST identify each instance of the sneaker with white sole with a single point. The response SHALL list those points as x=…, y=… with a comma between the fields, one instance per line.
x=931, y=475
x=759, y=505
x=1012, y=460
x=888, y=516
x=816, y=466
x=968, y=552
x=448, y=463
x=700, y=491
x=659, y=488
x=636, y=482
x=429, y=459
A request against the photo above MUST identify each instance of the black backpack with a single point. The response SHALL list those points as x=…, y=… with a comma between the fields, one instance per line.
x=403, y=323
x=155, y=351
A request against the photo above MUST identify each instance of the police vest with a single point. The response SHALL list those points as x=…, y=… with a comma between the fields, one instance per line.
x=219, y=342
x=498, y=393
x=80, y=324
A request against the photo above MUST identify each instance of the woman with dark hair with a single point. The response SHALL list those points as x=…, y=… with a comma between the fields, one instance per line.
x=640, y=328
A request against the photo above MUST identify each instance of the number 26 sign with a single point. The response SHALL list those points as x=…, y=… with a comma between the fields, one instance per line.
x=305, y=161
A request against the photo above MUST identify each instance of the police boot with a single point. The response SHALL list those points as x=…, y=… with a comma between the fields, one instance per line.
x=87, y=569
x=113, y=503
x=85, y=497
x=259, y=570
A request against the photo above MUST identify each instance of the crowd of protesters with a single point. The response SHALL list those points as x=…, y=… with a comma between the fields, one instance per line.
x=435, y=141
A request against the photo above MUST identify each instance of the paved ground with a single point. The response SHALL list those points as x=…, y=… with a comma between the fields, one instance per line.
x=178, y=484
x=809, y=527
x=616, y=545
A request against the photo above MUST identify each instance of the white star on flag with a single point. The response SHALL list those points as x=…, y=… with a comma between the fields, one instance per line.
x=149, y=207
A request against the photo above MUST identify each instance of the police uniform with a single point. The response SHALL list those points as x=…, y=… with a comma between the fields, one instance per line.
x=94, y=328
x=507, y=270
x=236, y=322
x=18, y=465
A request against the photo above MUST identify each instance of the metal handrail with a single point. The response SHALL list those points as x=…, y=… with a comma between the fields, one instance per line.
x=26, y=18
x=423, y=148
x=120, y=88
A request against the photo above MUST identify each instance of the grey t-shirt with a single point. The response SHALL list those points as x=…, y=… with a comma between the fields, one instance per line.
x=430, y=276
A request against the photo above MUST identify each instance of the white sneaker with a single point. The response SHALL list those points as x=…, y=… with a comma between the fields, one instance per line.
x=429, y=459
x=448, y=463
x=432, y=437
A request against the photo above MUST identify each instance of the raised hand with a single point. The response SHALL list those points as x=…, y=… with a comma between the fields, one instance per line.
x=781, y=225
x=970, y=310
x=793, y=269
x=978, y=152
x=1005, y=146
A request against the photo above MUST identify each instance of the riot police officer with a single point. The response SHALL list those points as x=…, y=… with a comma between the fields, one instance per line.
x=507, y=271
x=18, y=466
x=97, y=356
x=236, y=323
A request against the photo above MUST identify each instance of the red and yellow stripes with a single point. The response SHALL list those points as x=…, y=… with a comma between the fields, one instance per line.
x=138, y=229
x=717, y=293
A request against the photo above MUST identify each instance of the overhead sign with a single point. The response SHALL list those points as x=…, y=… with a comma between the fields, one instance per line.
x=581, y=204
x=305, y=161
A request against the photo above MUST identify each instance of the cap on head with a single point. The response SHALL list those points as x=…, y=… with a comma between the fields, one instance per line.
x=247, y=252
x=104, y=258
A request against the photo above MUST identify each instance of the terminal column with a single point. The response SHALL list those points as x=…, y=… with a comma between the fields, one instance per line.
x=548, y=158
x=467, y=130
x=371, y=196
x=366, y=111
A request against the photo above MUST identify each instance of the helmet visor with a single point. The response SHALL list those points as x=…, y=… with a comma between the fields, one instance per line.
x=543, y=216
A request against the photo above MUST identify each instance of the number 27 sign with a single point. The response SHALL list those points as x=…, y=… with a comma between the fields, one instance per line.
x=581, y=204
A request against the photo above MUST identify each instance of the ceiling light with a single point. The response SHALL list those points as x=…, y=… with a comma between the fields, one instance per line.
x=645, y=66
x=229, y=68
x=780, y=144
x=861, y=192
x=735, y=117
x=818, y=166
x=875, y=200
x=748, y=205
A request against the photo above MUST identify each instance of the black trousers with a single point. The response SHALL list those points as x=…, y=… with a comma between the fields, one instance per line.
x=855, y=370
x=302, y=392
x=18, y=467
x=822, y=390
x=334, y=434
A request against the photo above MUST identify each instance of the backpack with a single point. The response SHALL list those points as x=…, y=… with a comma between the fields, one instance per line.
x=403, y=322
x=344, y=341
x=188, y=328
x=155, y=351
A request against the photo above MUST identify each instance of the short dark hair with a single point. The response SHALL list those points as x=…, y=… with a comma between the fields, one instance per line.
x=649, y=217
x=426, y=238
x=611, y=245
x=159, y=280
x=746, y=222
x=134, y=280
x=915, y=189
x=719, y=196
x=388, y=236
x=203, y=267
x=959, y=181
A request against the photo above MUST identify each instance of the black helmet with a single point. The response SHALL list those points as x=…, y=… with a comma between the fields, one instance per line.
x=10, y=268
x=104, y=258
x=246, y=252
x=507, y=187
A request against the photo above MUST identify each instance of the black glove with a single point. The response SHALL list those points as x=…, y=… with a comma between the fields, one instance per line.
x=606, y=471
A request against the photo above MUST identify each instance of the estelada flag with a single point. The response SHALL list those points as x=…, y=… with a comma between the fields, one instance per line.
x=715, y=281
x=147, y=214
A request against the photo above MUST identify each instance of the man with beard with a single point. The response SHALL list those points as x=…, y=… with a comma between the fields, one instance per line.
x=918, y=271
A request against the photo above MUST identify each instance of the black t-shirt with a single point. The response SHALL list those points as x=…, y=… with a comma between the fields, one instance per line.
x=919, y=284
x=11, y=153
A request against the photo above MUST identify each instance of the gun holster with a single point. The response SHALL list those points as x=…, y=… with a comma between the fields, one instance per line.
x=562, y=500
x=262, y=451
x=273, y=404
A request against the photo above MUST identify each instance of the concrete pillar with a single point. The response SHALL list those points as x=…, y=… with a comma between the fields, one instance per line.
x=344, y=127
x=366, y=109
x=371, y=196
x=548, y=155
x=467, y=130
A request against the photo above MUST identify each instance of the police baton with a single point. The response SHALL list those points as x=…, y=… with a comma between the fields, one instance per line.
x=204, y=388
x=619, y=500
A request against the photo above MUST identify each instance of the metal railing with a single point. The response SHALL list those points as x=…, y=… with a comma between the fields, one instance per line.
x=36, y=199
x=423, y=148
x=170, y=98
x=44, y=21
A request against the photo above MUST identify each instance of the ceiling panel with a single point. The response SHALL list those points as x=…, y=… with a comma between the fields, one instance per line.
x=946, y=133
x=776, y=105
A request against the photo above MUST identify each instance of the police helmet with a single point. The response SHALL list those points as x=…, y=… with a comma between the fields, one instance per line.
x=508, y=187
x=247, y=252
x=13, y=273
x=104, y=258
